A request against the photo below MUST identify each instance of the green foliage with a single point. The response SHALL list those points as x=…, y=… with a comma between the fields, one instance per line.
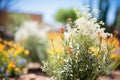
x=118, y=18
x=81, y=65
x=86, y=55
x=37, y=48
x=104, y=10
x=63, y=14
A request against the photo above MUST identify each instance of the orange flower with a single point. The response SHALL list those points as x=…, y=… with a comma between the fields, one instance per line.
x=69, y=50
x=98, y=33
x=62, y=30
x=100, y=38
x=51, y=40
x=0, y=39
x=10, y=43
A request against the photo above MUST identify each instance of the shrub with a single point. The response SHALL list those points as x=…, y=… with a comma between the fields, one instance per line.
x=37, y=49
x=86, y=55
x=34, y=40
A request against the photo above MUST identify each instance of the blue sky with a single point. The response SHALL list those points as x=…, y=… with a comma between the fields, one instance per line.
x=49, y=7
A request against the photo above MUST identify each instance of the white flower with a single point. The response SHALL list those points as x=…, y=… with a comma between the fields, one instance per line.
x=67, y=35
x=101, y=22
x=30, y=28
x=87, y=25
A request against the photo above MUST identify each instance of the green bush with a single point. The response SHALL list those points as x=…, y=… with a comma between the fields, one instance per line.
x=33, y=38
x=37, y=48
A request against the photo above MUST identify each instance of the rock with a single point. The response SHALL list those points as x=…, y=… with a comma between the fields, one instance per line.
x=42, y=78
x=23, y=77
x=32, y=76
x=115, y=75
x=104, y=78
x=28, y=77
x=33, y=66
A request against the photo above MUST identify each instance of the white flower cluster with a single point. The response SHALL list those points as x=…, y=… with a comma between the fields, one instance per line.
x=86, y=25
x=30, y=28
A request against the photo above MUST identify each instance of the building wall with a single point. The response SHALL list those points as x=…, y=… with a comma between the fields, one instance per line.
x=3, y=18
x=36, y=17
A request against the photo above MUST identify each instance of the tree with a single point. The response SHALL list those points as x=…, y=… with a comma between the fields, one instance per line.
x=63, y=14
x=117, y=21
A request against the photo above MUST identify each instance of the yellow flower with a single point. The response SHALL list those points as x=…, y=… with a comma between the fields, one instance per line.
x=115, y=55
x=57, y=50
x=5, y=53
x=17, y=69
x=2, y=47
x=56, y=43
x=5, y=42
x=11, y=65
x=11, y=50
x=18, y=51
x=26, y=52
x=94, y=49
x=50, y=51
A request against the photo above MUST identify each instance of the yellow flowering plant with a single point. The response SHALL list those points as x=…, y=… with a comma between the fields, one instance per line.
x=116, y=51
x=85, y=53
x=12, y=58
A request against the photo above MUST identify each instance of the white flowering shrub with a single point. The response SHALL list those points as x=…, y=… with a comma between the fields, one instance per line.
x=34, y=38
x=86, y=54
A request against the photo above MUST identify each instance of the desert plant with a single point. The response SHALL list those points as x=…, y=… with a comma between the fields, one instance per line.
x=34, y=40
x=85, y=55
x=37, y=48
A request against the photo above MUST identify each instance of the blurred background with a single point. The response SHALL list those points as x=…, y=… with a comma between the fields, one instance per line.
x=33, y=24
x=53, y=14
